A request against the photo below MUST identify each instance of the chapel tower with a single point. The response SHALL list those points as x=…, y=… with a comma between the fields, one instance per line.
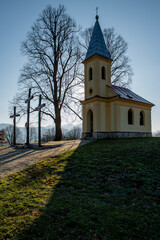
x=110, y=110
x=97, y=71
x=97, y=65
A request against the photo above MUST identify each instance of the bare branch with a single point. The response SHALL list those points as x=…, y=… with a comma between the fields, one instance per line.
x=53, y=58
x=121, y=71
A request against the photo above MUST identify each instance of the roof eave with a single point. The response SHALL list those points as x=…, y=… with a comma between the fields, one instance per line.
x=133, y=100
x=138, y=102
x=109, y=59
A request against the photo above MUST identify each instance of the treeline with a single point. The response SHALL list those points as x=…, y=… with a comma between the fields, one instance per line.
x=74, y=133
x=6, y=135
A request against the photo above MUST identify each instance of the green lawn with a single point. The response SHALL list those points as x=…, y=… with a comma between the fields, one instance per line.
x=108, y=189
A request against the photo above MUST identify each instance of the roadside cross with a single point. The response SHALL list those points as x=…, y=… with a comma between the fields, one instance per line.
x=14, y=125
x=40, y=106
x=28, y=114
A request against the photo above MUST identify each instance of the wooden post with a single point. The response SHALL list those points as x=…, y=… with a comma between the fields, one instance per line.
x=28, y=114
x=39, y=122
x=39, y=119
x=14, y=125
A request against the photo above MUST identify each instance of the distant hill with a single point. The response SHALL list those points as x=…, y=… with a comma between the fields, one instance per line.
x=65, y=128
x=4, y=125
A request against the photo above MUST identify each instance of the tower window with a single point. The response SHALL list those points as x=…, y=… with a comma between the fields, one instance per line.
x=141, y=118
x=90, y=74
x=130, y=116
x=103, y=73
x=90, y=91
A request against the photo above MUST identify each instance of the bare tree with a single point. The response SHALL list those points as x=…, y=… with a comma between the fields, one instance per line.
x=53, y=62
x=74, y=133
x=49, y=135
x=33, y=134
x=121, y=71
x=9, y=134
x=157, y=133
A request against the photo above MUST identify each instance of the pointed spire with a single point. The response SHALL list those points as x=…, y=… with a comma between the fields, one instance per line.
x=97, y=44
x=97, y=17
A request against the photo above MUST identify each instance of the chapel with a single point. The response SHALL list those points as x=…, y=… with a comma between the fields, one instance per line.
x=110, y=111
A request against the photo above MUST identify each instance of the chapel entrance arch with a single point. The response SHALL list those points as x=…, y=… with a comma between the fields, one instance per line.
x=90, y=122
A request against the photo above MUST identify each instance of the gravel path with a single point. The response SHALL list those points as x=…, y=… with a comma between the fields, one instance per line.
x=15, y=159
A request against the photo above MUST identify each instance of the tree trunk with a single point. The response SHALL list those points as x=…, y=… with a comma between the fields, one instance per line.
x=58, y=136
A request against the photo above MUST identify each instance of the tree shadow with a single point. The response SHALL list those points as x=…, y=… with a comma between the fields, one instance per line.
x=45, y=146
x=19, y=152
x=72, y=202
x=14, y=155
x=3, y=147
x=90, y=202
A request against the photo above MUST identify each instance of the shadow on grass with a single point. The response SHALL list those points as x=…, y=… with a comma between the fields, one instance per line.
x=13, y=156
x=108, y=190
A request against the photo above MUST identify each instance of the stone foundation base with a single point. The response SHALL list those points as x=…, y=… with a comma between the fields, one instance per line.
x=103, y=135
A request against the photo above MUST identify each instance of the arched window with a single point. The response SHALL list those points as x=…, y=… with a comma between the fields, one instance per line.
x=130, y=116
x=90, y=121
x=142, y=118
x=90, y=74
x=103, y=73
x=90, y=91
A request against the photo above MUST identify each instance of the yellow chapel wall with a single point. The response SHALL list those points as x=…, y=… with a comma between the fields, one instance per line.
x=107, y=80
x=113, y=116
x=135, y=127
x=99, y=116
x=119, y=117
x=97, y=84
x=86, y=108
x=89, y=84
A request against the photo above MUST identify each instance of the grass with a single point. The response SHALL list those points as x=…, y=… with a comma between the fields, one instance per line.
x=108, y=189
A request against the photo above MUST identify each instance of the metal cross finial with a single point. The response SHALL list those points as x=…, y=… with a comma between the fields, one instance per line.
x=96, y=10
x=97, y=17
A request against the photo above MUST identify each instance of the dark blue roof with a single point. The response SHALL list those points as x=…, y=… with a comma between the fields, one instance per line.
x=128, y=94
x=97, y=44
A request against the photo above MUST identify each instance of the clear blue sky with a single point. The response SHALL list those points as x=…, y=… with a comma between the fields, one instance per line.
x=137, y=21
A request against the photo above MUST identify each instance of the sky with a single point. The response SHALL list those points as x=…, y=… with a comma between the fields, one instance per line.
x=138, y=22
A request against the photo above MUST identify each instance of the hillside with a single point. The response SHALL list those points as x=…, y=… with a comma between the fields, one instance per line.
x=105, y=190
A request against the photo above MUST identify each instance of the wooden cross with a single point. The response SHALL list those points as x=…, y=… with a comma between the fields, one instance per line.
x=39, y=119
x=28, y=113
x=14, y=125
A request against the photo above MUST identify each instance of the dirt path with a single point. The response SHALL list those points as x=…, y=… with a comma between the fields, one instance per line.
x=15, y=159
